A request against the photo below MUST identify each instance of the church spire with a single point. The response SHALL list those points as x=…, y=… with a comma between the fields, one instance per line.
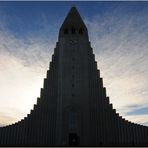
x=73, y=24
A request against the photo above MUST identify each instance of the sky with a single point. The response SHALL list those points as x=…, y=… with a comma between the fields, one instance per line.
x=118, y=32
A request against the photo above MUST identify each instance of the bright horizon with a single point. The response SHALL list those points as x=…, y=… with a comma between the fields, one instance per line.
x=118, y=32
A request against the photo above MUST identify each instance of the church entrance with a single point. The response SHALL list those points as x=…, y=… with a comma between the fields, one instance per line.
x=73, y=139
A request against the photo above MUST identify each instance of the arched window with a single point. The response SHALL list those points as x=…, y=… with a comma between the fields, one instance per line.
x=73, y=30
x=66, y=31
x=80, y=31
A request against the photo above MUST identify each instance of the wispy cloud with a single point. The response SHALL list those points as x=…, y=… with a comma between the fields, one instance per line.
x=141, y=119
x=121, y=46
x=119, y=41
x=23, y=65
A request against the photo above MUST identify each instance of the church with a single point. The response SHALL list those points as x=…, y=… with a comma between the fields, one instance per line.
x=73, y=108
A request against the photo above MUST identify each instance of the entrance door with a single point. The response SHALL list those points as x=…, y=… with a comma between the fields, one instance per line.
x=73, y=139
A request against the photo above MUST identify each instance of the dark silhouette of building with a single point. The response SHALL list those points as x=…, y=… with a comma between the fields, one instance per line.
x=73, y=109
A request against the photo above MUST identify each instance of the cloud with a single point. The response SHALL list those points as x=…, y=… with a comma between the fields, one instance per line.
x=120, y=43
x=6, y=119
x=23, y=65
x=141, y=119
x=32, y=51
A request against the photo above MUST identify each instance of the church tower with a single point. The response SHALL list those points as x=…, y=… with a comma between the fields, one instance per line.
x=73, y=109
x=74, y=105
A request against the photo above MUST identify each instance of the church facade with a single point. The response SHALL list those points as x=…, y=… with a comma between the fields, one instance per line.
x=73, y=108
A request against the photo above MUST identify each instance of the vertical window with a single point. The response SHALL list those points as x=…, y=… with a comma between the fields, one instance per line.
x=73, y=30
x=66, y=31
x=80, y=31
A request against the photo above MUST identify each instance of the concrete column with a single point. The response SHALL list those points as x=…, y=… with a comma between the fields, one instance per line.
x=19, y=135
x=14, y=133
x=17, y=132
x=124, y=136
x=128, y=133
x=135, y=135
x=114, y=126
x=7, y=138
x=101, y=139
x=110, y=124
x=23, y=132
x=107, y=124
x=140, y=134
x=118, y=129
x=145, y=135
x=103, y=115
x=2, y=136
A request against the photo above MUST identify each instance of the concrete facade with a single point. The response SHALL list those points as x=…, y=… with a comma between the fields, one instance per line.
x=73, y=109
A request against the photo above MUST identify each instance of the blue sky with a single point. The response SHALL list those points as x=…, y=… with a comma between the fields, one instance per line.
x=118, y=33
x=25, y=17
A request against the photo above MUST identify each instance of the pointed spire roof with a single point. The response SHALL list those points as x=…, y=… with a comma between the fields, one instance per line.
x=73, y=19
